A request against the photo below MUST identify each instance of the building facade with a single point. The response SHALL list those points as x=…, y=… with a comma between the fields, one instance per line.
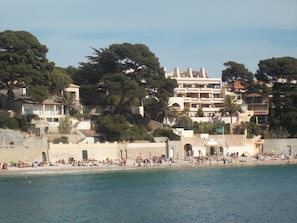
x=196, y=92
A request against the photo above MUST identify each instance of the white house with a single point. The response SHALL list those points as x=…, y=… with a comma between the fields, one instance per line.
x=49, y=110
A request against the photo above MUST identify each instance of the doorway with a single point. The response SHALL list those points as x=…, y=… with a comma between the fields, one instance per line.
x=43, y=155
x=85, y=154
x=188, y=150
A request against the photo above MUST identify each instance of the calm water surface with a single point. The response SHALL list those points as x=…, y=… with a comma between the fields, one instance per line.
x=231, y=194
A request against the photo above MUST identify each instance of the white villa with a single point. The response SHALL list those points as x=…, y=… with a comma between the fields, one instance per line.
x=49, y=111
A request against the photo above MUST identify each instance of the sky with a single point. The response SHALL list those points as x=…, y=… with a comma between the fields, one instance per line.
x=181, y=33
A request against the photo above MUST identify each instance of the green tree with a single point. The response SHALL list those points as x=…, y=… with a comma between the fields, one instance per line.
x=185, y=122
x=259, y=87
x=209, y=127
x=92, y=95
x=65, y=125
x=70, y=70
x=282, y=74
x=251, y=129
x=135, y=65
x=38, y=93
x=62, y=139
x=122, y=92
x=115, y=127
x=69, y=101
x=159, y=110
x=23, y=62
x=282, y=69
x=236, y=72
x=8, y=122
x=279, y=133
x=229, y=107
x=58, y=81
x=163, y=132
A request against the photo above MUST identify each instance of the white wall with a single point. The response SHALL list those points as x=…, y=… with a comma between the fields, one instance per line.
x=97, y=151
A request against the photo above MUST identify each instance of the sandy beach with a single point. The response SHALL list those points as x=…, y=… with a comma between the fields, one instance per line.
x=59, y=168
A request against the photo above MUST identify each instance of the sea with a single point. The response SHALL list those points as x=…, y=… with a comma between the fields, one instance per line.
x=162, y=195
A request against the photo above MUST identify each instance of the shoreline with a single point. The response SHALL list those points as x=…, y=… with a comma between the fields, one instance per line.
x=178, y=164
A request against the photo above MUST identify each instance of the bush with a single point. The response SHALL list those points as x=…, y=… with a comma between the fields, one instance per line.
x=65, y=125
x=62, y=139
x=161, y=132
x=8, y=122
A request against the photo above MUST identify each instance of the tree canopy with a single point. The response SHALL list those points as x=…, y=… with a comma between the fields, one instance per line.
x=125, y=73
x=281, y=73
x=23, y=63
x=282, y=69
x=236, y=72
x=229, y=107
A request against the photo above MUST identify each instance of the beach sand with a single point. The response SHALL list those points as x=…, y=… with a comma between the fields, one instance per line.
x=102, y=167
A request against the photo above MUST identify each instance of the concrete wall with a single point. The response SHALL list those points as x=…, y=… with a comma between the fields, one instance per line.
x=240, y=150
x=97, y=151
x=143, y=150
x=101, y=151
x=29, y=151
x=280, y=146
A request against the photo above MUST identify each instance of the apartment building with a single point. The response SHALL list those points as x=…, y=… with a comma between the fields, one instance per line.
x=196, y=91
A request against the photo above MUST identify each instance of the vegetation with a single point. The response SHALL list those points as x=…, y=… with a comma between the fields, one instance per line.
x=65, y=125
x=160, y=111
x=229, y=107
x=282, y=74
x=279, y=133
x=236, y=72
x=164, y=132
x=62, y=139
x=69, y=101
x=210, y=127
x=23, y=62
x=12, y=123
x=185, y=122
x=122, y=76
x=126, y=75
x=250, y=128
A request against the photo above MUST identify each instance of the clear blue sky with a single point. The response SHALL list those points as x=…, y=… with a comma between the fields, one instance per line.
x=181, y=33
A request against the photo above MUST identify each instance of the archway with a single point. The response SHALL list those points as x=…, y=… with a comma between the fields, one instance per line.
x=188, y=150
x=212, y=151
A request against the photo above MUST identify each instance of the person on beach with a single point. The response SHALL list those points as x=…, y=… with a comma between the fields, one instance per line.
x=4, y=166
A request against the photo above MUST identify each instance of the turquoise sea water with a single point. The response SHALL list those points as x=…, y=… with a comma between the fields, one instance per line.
x=230, y=194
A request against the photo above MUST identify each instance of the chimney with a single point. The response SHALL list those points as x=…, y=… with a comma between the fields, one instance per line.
x=189, y=71
x=176, y=71
x=202, y=71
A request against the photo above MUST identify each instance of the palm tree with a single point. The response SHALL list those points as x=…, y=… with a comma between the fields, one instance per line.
x=68, y=100
x=279, y=133
x=160, y=111
x=229, y=107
